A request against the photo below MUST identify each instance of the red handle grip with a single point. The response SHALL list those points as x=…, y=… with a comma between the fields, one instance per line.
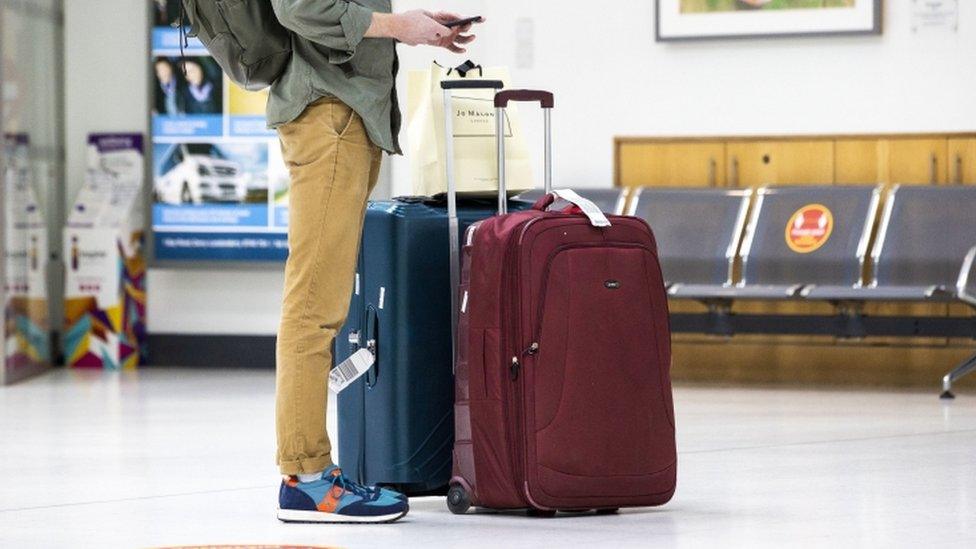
x=545, y=98
x=544, y=202
x=548, y=199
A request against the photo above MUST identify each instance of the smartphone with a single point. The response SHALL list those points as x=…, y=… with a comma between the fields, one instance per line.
x=463, y=22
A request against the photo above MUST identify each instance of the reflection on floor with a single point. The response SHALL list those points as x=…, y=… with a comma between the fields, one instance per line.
x=175, y=457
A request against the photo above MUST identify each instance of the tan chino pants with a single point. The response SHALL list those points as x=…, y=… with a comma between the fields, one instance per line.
x=333, y=166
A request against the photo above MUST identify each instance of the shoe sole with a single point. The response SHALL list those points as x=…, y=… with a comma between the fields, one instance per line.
x=318, y=517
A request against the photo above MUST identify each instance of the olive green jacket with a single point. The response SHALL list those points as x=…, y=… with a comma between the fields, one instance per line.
x=331, y=58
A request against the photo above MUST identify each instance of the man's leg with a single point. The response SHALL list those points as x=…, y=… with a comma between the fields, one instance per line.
x=333, y=168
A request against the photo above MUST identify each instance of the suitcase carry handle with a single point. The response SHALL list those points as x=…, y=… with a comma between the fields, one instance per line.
x=472, y=85
x=544, y=98
x=585, y=207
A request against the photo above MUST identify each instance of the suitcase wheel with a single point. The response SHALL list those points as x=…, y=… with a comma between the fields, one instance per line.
x=458, y=500
x=541, y=514
x=607, y=511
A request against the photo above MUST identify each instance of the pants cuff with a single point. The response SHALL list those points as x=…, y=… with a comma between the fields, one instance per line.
x=305, y=465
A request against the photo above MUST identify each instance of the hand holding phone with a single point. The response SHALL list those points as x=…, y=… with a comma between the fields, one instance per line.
x=464, y=22
x=457, y=28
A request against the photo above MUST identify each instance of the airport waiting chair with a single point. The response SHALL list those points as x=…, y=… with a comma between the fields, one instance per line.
x=800, y=236
x=610, y=201
x=697, y=233
x=923, y=238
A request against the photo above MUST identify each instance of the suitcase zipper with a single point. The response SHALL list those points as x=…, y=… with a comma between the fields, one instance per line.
x=517, y=452
x=516, y=365
x=517, y=421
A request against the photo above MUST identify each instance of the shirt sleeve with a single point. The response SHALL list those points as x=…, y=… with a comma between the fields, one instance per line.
x=336, y=24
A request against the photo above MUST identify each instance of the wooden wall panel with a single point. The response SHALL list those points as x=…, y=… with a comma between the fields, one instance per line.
x=858, y=161
x=920, y=161
x=699, y=164
x=962, y=161
x=793, y=162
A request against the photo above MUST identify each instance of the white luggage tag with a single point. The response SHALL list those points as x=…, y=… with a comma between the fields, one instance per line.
x=350, y=370
x=597, y=218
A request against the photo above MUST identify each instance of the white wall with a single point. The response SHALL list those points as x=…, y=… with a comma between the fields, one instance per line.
x=610, y=78
x=105, y=74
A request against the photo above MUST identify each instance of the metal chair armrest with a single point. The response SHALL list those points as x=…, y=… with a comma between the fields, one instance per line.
x=937, y=291
x=966, y=285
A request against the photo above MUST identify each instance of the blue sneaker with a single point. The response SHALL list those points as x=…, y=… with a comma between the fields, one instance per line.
x=391, y=493
x=334, y=498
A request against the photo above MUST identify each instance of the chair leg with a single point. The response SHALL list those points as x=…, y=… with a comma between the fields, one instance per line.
x=956, y=374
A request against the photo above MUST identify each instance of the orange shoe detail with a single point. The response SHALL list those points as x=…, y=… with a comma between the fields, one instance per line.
x=331, y=501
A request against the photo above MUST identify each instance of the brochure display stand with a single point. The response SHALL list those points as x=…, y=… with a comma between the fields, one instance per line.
x=105, y=268
x=26, y=325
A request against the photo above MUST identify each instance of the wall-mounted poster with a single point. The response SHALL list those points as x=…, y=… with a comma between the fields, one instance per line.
x=219, y=183
x=703, y=19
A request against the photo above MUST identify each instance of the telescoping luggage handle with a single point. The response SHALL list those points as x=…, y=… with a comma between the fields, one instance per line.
x=448, y=86
x=502, y=100
x=547, y=102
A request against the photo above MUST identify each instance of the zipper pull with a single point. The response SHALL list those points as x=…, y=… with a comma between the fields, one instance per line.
x=514, y=368
x=533, y=349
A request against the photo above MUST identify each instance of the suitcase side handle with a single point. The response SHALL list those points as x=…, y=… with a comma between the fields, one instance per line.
x=372, y=337
x=545, y=98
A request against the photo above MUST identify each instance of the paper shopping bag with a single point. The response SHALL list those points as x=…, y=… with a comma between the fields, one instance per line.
x=475, y=150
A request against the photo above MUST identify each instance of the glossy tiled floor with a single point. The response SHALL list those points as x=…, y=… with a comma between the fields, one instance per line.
x=168, y=457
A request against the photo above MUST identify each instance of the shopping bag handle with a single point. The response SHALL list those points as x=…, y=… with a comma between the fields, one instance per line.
x=584, y=206
x=469, y=84
x=464, y=68
x=544, y=98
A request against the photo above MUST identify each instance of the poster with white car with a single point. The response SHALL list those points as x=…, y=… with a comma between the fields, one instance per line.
x=220, y=186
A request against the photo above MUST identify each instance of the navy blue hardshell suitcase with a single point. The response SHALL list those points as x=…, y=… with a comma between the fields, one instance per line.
x=396, y=423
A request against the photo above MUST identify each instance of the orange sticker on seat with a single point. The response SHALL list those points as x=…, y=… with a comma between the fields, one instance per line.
x=809, y=228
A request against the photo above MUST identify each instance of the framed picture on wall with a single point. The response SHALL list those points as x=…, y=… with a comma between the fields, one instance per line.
x=711, y=19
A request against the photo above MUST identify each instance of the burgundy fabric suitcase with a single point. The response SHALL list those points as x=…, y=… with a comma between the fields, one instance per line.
x=562, y=383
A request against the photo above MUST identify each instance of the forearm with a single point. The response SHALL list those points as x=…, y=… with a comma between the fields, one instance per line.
x=336, y=24
x=341, y=25
x=384, y=25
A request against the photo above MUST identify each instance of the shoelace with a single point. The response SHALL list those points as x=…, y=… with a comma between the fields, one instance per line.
x=358, y=489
